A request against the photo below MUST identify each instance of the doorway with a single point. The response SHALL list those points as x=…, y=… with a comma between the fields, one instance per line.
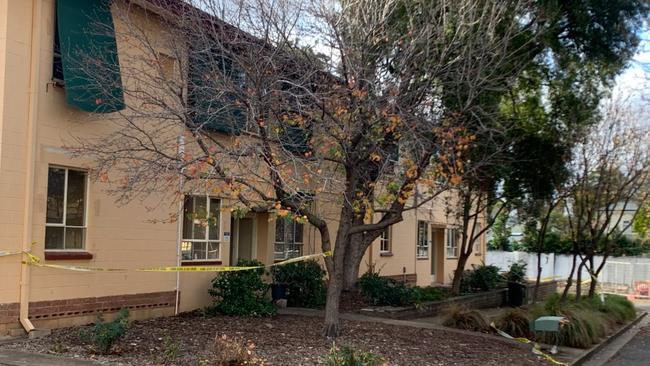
x=437, y=245
x=243, y=244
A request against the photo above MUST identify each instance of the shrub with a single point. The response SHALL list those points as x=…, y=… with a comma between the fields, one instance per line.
x=103, y=335
x=589, y=319
x=514, y=322
x=516, y=273
x=348, y=356
x=234, y=352
x=461, y=318
x=241, y=293
x=424, y=294
x=305, y=284
x=384, y=291
x=482, y=278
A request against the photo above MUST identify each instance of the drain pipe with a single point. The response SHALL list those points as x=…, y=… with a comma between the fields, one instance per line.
x=31, y=155
x=179, y=224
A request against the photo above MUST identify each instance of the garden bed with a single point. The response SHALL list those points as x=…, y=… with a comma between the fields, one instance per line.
x=281, y=340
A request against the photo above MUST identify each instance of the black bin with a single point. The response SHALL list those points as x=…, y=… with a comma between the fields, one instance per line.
x=278, y=291
x=516, y=293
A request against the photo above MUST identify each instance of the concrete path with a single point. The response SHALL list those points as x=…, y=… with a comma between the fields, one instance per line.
x=22, y=358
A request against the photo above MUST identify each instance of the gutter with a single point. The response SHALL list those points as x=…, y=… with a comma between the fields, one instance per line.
x=31, y=153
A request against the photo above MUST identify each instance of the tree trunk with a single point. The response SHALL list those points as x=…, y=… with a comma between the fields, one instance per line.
x=458, y=274
x=332, y=306
x=579, y=281
x=594, y=276
x=569, y=281
x=538, y=280
x=356, y=249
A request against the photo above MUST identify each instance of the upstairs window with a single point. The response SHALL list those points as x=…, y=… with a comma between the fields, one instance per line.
x=201, y=229
x=65, y=218
x=85, y=56
x=288, y=239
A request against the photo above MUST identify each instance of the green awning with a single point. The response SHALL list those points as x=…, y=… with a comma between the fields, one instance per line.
x=211, y=108
x=91, y=67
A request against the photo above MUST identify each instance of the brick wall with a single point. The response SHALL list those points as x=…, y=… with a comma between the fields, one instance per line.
x=481, y=300
x=410, y=278
x=84, y=307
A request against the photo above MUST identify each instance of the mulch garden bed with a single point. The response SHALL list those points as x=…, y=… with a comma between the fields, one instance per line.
x=282, y=340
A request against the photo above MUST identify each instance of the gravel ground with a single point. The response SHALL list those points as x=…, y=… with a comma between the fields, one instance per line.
x=282, y=340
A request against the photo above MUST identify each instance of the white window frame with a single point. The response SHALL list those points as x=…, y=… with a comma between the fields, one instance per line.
x=65, y=208
x=385, y=242
x=207, y=240
x=422, y=244
x=284, y=255
x=451, y=245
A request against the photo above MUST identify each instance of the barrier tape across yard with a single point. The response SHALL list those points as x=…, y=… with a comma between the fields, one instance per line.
x=536, y=350
x=34, y=260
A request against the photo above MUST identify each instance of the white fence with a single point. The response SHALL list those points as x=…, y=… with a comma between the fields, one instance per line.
x=619, y=275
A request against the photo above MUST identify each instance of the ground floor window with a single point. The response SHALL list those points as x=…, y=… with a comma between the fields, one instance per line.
x=65, y=217
x=423, y=240
x=452, y=243
x=201, y=228
x=288, y=239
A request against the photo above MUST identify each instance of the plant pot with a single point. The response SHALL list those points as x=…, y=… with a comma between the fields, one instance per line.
x=516, y=293
x=278, y=291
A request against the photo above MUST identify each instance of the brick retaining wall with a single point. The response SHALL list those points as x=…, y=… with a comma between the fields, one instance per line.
x=87, y=308
x=481, y=300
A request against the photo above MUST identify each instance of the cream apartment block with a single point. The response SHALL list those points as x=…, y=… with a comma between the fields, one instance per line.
x=49, y=205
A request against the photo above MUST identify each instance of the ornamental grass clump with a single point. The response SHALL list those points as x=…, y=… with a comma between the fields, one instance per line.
x=515, y=322
x=348, y=356
x=589, y=319
x=460, y=318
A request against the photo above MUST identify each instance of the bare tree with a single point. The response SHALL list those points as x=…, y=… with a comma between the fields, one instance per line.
x=609, y=171
x=354, y=105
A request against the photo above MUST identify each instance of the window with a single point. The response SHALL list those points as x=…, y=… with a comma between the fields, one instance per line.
x=452, y=243
x=288, y=239
x=384, y=241
x=201, y=228
x=65, y=218
x=423, y=240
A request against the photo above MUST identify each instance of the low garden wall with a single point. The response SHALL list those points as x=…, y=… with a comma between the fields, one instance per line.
x=481, y=300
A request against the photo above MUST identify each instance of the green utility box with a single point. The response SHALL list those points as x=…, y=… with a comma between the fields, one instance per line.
x=547, y=323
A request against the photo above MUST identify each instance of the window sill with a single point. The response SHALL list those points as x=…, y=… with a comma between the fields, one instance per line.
x=201, y=263
x=422, y=258
x=452, y=257
x=67, y=255
x=385, y=254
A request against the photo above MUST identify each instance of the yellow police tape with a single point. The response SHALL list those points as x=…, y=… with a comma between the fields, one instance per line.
x=4, y=253
x=536, y=349
x=36, y=261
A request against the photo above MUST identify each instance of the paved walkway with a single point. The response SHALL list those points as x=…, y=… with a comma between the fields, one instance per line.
x=21, y=358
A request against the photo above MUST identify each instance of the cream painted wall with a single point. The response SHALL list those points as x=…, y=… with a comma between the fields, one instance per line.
x=120, y=236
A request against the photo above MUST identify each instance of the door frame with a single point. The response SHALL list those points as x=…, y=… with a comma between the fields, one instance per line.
x=435, y=269
x=234, y=252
